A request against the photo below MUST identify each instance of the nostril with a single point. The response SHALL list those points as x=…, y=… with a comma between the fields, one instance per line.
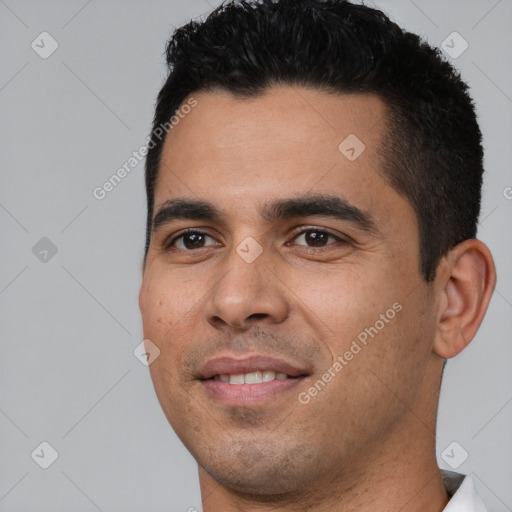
x=257, y=315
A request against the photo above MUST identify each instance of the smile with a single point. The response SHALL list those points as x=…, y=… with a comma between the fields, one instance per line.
x=251, y=378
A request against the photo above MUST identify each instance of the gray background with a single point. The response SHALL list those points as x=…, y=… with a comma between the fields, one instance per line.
x=70, y=323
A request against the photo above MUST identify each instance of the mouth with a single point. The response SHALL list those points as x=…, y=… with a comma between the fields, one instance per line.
x=249, y=380
x=256, y=377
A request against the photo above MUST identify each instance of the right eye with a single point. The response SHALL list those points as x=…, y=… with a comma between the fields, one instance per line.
x=188, y=240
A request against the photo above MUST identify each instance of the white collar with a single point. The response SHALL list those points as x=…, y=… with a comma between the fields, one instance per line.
x=462, y=493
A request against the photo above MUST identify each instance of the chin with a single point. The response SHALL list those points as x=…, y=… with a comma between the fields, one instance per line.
x=273, y=482
x=246, y=469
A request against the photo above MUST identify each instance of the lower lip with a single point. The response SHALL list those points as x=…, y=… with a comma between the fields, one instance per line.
x=244, y=394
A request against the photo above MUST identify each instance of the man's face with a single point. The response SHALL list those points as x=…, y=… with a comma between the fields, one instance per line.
x=286, y=290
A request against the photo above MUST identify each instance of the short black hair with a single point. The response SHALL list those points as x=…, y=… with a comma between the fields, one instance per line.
x=432, y=148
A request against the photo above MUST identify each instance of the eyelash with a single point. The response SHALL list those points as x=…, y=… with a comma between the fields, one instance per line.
x=169, y=245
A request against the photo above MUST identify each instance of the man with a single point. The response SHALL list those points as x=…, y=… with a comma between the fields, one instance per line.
x=311, y=259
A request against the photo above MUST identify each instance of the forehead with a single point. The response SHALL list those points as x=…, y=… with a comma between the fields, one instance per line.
x=285, y=122
x=289, y=141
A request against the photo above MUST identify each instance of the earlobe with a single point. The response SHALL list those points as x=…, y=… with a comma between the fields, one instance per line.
x=467, y=280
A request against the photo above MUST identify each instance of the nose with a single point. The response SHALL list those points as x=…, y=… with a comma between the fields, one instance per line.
x=246, y=295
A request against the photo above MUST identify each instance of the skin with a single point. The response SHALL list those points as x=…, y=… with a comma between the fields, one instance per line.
x=366, y=442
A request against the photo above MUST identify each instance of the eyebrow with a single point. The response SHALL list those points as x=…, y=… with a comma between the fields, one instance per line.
x=278, y=209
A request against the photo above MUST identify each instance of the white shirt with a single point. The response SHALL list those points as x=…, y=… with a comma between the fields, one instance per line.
x=462, y=492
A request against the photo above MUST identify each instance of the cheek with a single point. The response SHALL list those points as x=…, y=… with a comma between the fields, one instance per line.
x=372, y=320
x=395, y=358
x=165, y=301
x=169, y=306
x=342, y=300
x=164, y=307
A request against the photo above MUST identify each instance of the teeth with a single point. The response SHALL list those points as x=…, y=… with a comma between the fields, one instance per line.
x=269, y=375
x=236, y=379
x=252, y=377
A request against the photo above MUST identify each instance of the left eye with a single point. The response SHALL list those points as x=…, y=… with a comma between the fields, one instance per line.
x=316, y=237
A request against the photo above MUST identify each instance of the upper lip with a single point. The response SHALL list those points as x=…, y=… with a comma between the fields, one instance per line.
x=230, y=365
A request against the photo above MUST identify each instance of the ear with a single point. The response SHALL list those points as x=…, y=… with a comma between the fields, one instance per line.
x=467, y=277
